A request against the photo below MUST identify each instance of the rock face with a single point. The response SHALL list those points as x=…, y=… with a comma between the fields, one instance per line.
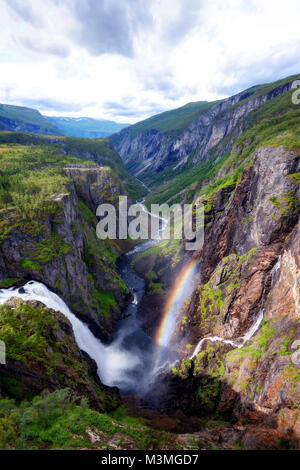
x=42, y=354
x=248, y=295
x=267, y=380
x=95, y=186
x=62, y=251
x=213, y=133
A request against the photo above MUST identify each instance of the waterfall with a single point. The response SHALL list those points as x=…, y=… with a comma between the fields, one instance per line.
x=127, y=361
x=213, y=339
x=252, y=330
x=157, y=238
x=112, y=361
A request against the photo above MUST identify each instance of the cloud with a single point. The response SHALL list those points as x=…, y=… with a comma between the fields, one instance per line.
x=45, y=48
x=54, y=105
x=25, y=11
x=130, y=59
x=186, y=19
x=278, y=62
x=109, y=26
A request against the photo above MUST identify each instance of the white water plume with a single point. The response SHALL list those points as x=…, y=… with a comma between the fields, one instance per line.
x=112, y=361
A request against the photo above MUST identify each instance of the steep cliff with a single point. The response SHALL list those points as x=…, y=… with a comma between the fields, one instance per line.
x=188, y=151
x=99, y=151
x=236, y=384
x=42, y=354
x=239, y=329
x=48, y=231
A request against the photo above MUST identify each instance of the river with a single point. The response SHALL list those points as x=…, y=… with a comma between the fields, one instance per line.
x=127, y=361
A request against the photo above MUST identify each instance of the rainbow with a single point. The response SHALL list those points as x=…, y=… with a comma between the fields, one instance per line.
x=179, y=293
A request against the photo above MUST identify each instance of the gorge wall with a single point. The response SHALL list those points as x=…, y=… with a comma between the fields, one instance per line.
x=56, y=242
x=249, y=274
x=149, y=152
x=236, y=383
x=244, y=313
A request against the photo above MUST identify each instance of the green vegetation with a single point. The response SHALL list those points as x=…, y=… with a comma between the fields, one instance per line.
x=169, y=249
x=155, y=260
x=87, y=214
x=285, y=343
x=208, y=393
x=106, y=302
x=258, y=345
x=294, y=177
x=211, y=359
x=49, y=248
x=183, y=369
x=212, y=300
x=60, y=420
x=50, y=151
x=98, y=252
x=210, y=303
x=209, y=369
x=291, y=374
x=102, y=152
x=26, y=119
x=276, y=122
x=30, y=178
x=171, y=121
x=26, y=331
x=40, y=340
x=287, y=204
x=177, y=189
x=29, y=265
x=8, y=282
x=275, y=131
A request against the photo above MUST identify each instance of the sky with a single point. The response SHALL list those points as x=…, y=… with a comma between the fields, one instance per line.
x=126, y=60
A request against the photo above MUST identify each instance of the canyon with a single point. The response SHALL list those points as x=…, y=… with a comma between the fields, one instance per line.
x=199, y=347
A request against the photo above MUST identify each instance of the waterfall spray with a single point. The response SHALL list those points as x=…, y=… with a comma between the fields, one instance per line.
x=112, y=361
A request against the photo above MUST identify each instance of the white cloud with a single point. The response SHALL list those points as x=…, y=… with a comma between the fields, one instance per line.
x=118, y=60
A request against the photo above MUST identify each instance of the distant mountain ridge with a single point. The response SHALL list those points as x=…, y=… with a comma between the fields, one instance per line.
x=86, y=127
x=173, y=150
x=22, y=119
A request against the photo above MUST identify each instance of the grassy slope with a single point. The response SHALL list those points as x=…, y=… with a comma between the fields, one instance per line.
x=170, y=122
x=26, y=116
x=98, y=150
x=276, y=122
x=30, y=177
x=59, y=421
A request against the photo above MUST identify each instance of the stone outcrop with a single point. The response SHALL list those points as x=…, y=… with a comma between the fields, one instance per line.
x=62, y=251
x=42, y=354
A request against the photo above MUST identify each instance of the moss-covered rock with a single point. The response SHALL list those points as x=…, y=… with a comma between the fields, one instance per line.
x=42, y=354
